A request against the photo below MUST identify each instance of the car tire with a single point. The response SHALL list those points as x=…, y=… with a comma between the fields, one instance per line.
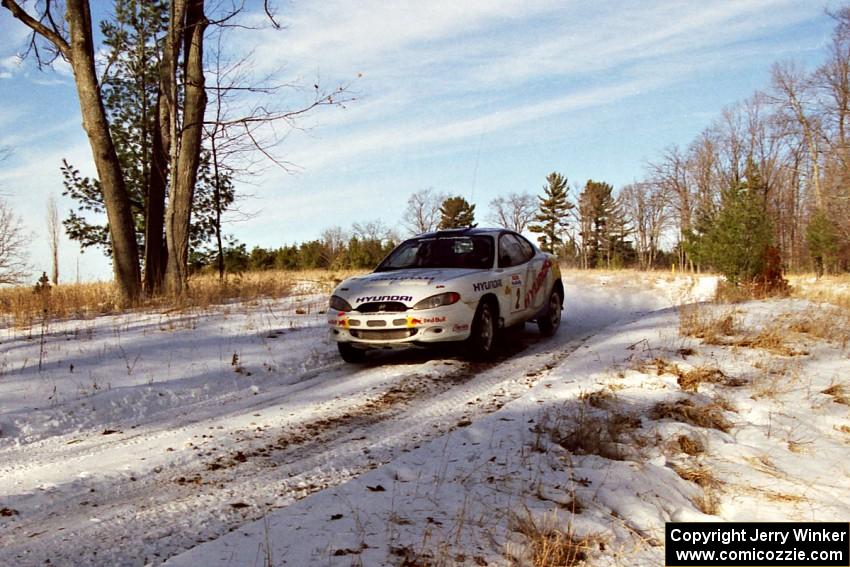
x=482, y=339
x=550, y=320
x=351, y=354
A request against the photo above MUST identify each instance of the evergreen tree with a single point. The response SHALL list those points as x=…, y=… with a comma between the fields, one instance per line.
x=604, y=230
x=739, y=239
x=456, y=212
x=822, y=241
x=551, y=220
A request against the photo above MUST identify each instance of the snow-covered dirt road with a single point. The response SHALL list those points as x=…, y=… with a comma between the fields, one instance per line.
x=128, y=440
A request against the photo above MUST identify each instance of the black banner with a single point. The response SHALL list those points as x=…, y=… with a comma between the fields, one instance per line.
x=757, y=544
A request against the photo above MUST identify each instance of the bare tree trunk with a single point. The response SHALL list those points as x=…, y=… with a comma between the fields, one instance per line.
x=53, y=237
x=116, y=200
x=78, y=49
x=184, y=175
x=155, y=251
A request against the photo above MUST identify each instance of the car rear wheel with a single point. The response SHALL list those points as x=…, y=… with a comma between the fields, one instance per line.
x=350, y=353
x=482, y=340
x=549, y=322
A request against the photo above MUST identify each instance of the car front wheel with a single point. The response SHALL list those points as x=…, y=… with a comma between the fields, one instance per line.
x=549, y=322
x=482, y=340
x=350, y=353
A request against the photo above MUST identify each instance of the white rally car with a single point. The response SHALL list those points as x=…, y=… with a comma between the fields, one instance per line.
x=450, y=285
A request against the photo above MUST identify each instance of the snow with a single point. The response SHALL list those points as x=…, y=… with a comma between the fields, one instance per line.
x=236, y=436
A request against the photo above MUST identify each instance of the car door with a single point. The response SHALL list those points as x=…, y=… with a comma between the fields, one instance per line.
x=514, y=262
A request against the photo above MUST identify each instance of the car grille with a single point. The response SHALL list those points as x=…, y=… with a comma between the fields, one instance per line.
x=382, y=307
x=388, y=335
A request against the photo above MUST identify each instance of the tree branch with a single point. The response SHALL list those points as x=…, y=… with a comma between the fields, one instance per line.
x=39, y=28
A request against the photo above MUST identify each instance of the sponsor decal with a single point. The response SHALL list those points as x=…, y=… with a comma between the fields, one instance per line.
x=341, y=322
x=538, y=283
x=456, y=328
x=412, y=321
x=507, y=290
x=516, y=280
x=371, y=298
x=401, y=278
x=483, y=286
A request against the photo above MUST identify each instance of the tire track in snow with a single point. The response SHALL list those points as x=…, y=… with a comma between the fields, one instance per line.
x=130, y=520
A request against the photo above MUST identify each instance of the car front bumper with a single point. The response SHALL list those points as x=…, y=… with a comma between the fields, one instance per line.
x=402, y=329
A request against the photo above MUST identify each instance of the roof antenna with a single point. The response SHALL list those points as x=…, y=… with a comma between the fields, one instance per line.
x=475, y=173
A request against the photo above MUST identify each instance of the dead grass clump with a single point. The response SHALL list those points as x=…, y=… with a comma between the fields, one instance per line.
x=707, y=415
x=598, y=399
x=839, y=394
x=829, y=324
x=833, y=289
x=690, y=445
x=585, y=431
x=708, y=502
x=771, y=340
x=703, y=323
x=689, y=380
x=548, y=545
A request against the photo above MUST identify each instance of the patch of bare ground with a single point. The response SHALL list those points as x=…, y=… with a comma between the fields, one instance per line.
x=549, y=544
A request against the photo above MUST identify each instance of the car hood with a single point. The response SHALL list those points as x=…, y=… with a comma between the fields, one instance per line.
x=408, y=286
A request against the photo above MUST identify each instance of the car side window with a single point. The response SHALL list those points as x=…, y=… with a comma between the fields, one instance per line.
x=511, y=251
x=526, y=247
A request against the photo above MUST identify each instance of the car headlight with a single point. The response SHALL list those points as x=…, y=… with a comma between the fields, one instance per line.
x=339, y=303
x=438, y=300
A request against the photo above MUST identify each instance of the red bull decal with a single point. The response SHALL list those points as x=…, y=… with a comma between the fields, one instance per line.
x=538, y=283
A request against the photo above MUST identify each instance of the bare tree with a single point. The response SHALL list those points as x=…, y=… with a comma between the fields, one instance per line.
x=647, y=213
x=423, y=211
x=670, y=175
x=514, y=212
x=793, y=95
x=53, y=237
x=13, y=243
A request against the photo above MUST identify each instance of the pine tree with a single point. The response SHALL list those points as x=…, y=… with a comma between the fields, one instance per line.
x=456, y=212
x=551, y=220
x=739, y=240
x=604, y=230
x=822, y=241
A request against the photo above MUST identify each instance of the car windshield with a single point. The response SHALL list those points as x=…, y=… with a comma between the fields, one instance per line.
x=474, y=252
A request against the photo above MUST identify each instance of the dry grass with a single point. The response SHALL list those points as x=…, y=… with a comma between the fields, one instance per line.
x=23, y=306
x=829, y=323
x=828, y=289
x=708, y=415
x=548, y=545
x=689, y=380
x=583, y=431
x=839, y=394
x=704, y=323
x=690, y=445
x=709, y=501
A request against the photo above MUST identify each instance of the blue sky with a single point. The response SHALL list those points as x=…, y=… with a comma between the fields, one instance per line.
x=477, y=98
